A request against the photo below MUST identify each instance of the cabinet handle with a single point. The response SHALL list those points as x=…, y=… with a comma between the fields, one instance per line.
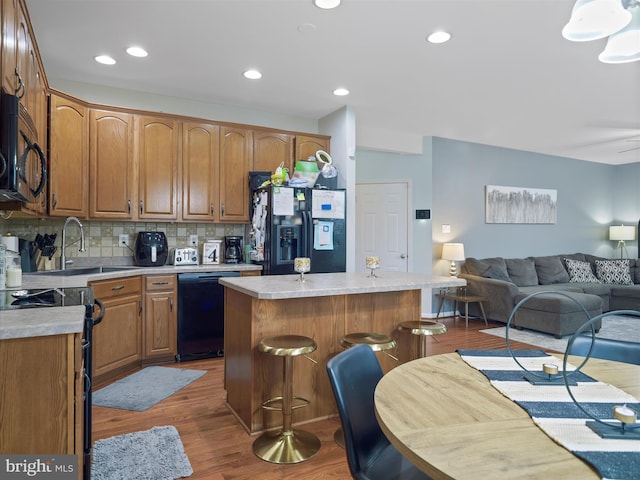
x=171, y=304
x=212, y=209
x=115, y=289
x=129, y=207
x=21, y=85
x=160, y=283
x=139, y=307
x=222, y=209
x=141, y=207
x=55, y=201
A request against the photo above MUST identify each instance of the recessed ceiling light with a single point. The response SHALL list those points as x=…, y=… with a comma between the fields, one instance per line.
x=439, y=37
x=105, y=60
x=326, y=4
x=252, y=74
x=341, y=92
x=137, y=52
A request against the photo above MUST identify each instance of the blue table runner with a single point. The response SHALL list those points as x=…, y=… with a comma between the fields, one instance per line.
x=553, y=411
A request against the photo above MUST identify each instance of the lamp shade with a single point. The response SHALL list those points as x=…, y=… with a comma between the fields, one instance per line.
x=622, y=232
x=594, y=19
x=624, y=46
x=453, y=251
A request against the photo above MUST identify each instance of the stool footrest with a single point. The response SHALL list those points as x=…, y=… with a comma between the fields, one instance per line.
x=269, y=404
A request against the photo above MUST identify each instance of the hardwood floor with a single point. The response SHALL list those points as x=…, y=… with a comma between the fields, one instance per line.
x=220, y=449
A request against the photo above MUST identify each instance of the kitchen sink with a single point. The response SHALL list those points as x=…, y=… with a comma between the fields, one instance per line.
x=82, y=271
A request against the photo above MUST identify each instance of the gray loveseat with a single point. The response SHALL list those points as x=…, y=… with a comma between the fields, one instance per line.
x=599, y=284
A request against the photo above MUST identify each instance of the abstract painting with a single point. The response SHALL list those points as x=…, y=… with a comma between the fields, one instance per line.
x=520, y=205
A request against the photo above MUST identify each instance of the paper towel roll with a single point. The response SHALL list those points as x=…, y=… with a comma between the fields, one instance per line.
x=11, y=242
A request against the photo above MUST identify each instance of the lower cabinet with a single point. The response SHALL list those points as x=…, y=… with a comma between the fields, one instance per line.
x=117, y=345
x=41, y=406
x=160, y=317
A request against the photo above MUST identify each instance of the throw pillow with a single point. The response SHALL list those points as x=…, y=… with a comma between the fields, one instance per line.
x=580, y=272
x=614, y=271
x=550, y=270
x=522, y=271
x=487, y=268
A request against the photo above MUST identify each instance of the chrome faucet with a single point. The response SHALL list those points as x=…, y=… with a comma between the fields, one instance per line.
x=63, y=258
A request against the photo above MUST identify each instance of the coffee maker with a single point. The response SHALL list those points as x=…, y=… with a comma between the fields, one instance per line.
x=233, y=249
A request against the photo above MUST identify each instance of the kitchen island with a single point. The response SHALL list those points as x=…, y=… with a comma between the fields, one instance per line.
x=325, y=307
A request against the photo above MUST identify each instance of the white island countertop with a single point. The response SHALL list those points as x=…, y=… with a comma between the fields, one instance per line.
x=276, y=287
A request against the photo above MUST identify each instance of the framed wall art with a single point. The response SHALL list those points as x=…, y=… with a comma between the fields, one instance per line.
x=520, y=205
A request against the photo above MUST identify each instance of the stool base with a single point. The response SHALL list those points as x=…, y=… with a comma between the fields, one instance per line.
x=294, y=446
x=338, y=437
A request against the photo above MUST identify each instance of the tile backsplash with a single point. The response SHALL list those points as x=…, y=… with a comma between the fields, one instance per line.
x=101, y=238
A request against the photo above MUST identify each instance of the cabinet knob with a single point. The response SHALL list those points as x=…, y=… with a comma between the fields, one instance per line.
x=222, y=209
x=141, y=207
x=212, y=209
x=129, y=206
x=55, y=201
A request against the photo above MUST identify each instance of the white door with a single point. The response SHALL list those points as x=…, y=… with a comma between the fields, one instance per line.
x=382, y=211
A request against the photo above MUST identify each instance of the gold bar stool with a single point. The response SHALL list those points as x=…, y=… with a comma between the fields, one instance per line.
x=378, y=343
x=424, y=328
x=287, y=445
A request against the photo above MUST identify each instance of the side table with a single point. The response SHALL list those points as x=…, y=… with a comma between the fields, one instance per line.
x=461, y=296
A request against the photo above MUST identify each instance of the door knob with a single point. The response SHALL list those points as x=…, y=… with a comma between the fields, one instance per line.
x=403, y=255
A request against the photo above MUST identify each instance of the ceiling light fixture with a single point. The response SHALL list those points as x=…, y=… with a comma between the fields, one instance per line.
x=326, y=4
x=439, y=37
x=617, y=19
x=137, y=52
x=105, y=60
x=341, y=92
x=252, y=74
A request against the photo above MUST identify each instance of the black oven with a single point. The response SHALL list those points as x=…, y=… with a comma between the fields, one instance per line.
x=23, y=167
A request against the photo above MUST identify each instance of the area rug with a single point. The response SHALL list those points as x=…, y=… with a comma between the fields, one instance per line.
x=615, y=327
x=145, y=388
x=155, y=454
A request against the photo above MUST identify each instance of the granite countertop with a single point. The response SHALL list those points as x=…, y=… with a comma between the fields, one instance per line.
x=325, y=284
x=58, y=320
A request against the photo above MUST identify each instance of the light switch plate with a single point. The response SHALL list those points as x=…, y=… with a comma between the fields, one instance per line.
x=446, y=228
x=123, y=239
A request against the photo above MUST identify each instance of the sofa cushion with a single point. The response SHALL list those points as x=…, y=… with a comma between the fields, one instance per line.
x=580, y=272
x=522, y=271
x=550, y=270
x=488, y=268
x=615, y=272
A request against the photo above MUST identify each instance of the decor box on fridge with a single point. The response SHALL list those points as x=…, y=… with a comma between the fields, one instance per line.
x=290, y=222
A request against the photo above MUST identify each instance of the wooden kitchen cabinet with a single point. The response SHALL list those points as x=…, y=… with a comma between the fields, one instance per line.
x=157, y=161
x=236, y=161
x=9, y=52
x=111, y=165
x=270, y=149
x=68, y=154
x=307, y=145
x=117, y=339
x=160, y=337
x=42, y=381
x=200, y=171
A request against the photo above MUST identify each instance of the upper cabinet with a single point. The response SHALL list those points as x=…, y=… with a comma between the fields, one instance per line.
x=8, y=50
x=157, y=160
x=68, y=153
x=111, y=165
x=270, y=150
x=307, y=146
x=236, y=161
x=200, y=171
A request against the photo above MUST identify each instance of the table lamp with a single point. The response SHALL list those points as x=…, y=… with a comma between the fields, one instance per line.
x=622, y=233
x=453, y=252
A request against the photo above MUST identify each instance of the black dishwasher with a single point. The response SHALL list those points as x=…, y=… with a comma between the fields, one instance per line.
x=201, y=315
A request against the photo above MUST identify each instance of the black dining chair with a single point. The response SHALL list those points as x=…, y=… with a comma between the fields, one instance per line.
x=606, y=348
x=354, y=374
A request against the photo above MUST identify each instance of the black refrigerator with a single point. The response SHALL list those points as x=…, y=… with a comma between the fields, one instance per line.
x=289, y=222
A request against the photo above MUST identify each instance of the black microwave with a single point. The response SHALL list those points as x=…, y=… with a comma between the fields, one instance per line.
x=23, y=167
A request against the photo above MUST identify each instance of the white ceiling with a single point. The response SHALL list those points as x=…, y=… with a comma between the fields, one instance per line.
x=507, y=77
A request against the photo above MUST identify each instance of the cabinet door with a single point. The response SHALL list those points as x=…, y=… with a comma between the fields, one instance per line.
x=9, y=49
x=157, y=167
x=236, y=161
x=160, y=316
x=270, y=149
x=111, y=167
x=68, y=152
x=307, y=146
x=200, y=171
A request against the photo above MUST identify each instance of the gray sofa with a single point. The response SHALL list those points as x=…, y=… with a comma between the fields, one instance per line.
x=599, y=284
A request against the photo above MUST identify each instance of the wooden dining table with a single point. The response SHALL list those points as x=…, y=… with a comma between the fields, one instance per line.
x=448, y=420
